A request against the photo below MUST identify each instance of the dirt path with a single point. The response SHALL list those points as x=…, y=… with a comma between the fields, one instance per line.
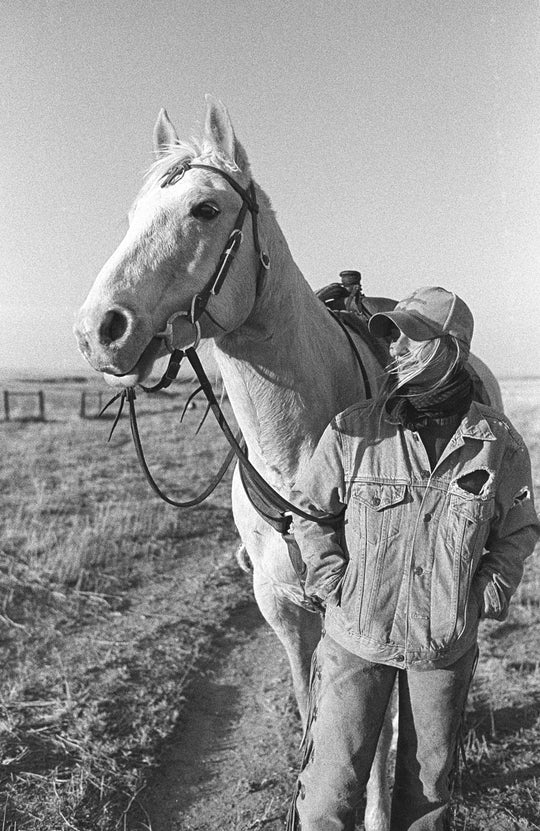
x=231, y=761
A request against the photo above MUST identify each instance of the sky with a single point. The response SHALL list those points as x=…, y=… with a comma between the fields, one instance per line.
x=397, y=137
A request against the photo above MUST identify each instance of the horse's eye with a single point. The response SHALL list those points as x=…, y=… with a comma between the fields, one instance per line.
x=205, y=211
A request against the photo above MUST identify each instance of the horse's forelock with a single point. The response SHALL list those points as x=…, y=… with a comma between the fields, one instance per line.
x=199, y=150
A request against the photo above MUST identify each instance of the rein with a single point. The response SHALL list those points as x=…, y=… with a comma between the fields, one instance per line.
x=237, y=447
x=188, y=503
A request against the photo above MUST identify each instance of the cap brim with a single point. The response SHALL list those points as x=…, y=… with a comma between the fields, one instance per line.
x=380, y=325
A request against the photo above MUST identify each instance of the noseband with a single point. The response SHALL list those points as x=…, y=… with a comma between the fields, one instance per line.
x=215, y=283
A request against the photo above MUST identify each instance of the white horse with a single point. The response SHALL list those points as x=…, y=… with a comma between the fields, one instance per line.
x=287, y=366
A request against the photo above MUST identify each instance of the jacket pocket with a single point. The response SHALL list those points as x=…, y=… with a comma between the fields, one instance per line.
x=464, y=533
x=377, y=512
x=378, y=500
x=469, y=519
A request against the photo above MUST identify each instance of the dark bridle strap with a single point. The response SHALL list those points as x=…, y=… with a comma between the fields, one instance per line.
x=170, y=374
x=175, y=173
x=188, y=503
x=269, y=492
x=216, y=281
x=249, y=203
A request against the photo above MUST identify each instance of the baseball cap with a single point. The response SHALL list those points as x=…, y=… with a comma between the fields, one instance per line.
x=429, y=312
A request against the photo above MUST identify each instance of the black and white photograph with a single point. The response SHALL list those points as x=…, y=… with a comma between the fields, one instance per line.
x=270, y=415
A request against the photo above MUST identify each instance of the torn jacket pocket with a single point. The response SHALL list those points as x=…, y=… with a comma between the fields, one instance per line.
x=473, y=482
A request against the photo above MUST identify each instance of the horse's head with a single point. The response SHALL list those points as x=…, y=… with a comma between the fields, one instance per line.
x=179, y=228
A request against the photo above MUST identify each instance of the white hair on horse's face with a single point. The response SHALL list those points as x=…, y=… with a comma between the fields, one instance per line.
x=200, y=149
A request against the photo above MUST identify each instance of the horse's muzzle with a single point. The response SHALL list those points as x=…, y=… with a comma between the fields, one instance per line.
x=113, y=340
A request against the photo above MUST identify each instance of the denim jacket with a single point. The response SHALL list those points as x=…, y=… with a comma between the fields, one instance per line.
x=422, y=554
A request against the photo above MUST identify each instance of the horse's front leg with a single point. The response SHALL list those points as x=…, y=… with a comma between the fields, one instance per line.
x=277, y=592
x=298, y=630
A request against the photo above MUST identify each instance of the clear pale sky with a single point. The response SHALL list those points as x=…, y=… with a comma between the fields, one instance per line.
x=399, y=137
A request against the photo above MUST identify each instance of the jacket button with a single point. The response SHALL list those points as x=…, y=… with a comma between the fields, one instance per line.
x=419, y=570
x=375, y=501
x=425, y=474
x=427, y=517
x=400, y=658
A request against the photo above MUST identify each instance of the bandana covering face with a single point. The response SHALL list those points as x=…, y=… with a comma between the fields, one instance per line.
x=415, y=406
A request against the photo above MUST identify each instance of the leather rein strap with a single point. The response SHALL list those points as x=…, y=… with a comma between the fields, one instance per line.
x=261, y=495
x=188, y=503
x=267, y=490
x=269, y=494
x=272, y=496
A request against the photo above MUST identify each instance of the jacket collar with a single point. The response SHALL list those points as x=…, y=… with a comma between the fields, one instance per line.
x=474, y=425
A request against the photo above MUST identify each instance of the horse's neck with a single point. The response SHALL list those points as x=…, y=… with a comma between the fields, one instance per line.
x=288, y=370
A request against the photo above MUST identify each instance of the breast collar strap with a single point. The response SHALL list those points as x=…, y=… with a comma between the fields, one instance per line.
x=215, y=283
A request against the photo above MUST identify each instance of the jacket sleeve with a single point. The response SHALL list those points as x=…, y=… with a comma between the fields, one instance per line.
x=512, y=537
x=320, y=489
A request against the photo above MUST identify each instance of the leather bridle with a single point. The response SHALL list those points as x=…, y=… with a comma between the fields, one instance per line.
x=198, y=306
x=215, y=283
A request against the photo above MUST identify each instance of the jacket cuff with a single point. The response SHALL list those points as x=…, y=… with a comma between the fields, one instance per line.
x=320, y=594
x=493, y=601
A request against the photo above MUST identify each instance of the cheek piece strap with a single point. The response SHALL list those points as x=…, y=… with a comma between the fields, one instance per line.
x=215, y=283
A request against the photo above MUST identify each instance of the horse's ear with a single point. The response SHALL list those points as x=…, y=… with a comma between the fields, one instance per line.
x=219, y=130
x=164, y=134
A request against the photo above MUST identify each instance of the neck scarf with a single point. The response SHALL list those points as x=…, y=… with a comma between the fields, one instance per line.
x=414, y=405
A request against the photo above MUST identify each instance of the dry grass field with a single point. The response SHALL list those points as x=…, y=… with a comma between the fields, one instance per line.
x=116, y=607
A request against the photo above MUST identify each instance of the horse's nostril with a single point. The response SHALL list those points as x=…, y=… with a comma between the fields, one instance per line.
x=113, y=327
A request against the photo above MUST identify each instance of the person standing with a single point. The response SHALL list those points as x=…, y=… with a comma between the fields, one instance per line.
x=438, y=521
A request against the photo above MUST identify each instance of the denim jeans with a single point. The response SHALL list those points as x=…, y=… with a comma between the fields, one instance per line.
x=349, y=697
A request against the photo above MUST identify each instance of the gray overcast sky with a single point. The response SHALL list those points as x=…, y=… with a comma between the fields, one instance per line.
x=400, y=137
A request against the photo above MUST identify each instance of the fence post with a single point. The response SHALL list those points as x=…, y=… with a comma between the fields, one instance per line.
x=41, y=397
x=6, y=404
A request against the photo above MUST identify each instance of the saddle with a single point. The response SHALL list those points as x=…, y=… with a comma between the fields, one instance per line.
x=347, y=301
x=349, y=304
